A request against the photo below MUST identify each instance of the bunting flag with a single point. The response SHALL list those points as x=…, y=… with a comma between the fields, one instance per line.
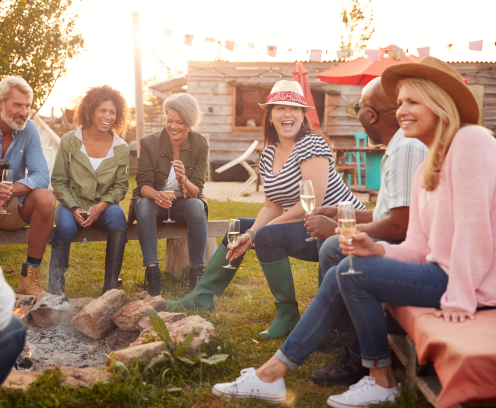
x=168, y=33
x=291, y=49
x=315, y=56
x=210, y=39
x=396, y=54
x=423, y=52
x=271, y=50
x=230, y=45
x=373, y=55
x=251, y=45
x=475, y=45
x=344, y=54
x=188, y=39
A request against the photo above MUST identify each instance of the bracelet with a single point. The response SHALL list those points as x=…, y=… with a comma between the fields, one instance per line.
x=252, y=233
x=249, y=239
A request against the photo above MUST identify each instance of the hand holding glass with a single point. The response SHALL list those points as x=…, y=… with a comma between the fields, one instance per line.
x=347, y=228
x=169, y=192
x=7, y=180
x=307, y=197
x=232, y=238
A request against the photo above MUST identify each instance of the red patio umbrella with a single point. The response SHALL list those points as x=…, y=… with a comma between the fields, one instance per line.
x=300, y=75
x=361, y=71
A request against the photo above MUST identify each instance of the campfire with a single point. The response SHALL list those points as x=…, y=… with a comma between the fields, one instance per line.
x=19, y=312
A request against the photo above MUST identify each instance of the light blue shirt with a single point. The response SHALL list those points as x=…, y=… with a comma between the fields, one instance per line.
x=25, y=151
x=398, y=167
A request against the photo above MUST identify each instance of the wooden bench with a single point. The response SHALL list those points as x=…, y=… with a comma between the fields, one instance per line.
x=176, y=253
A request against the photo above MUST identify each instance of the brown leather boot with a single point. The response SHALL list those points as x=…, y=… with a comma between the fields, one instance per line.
x=30, y=284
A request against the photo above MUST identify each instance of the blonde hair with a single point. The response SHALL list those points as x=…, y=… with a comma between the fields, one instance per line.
x=10, y=82
x=443, y=106
x=187, y=106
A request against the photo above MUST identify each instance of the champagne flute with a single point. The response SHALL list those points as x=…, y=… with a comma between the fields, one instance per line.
x=84, y=215
x=7, y=180
x=169, y=192
x=307, y=197
x=347, y=228
x=232, y=238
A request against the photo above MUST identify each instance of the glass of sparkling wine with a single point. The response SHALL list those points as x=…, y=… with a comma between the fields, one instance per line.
x=232, y=238
x=307, y=197
x=347, y=227
x=7, y=180
x=169, y=192
x=84, y=215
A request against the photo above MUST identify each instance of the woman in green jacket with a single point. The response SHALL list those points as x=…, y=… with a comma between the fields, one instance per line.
x=89, y=179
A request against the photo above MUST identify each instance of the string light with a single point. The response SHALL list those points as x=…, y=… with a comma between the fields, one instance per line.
x=270, y=70
x=260, y=76
x=449, y=47
x=280, y=75
x=407, y=53
x=386, y=55
x=316, y=70
x=247, y=79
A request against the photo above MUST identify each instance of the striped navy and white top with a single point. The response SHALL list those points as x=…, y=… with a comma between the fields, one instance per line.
x=283, y=188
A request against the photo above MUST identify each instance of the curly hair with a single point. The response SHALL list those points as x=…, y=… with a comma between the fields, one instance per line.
x=92, y=100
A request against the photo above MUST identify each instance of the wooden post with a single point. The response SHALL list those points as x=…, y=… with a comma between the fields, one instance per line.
x=138, y=81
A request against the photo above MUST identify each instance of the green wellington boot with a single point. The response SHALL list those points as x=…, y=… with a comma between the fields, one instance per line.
x=280, y=280
x=214, y=280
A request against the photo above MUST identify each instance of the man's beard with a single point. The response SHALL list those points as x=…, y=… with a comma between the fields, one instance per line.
x=11, y=121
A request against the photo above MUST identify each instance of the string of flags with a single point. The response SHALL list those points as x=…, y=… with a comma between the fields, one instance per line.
x=315, y=55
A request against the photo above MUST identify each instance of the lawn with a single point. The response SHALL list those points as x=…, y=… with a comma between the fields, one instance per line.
x=245, y=309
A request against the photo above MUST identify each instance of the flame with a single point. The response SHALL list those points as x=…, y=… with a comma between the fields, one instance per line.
x=30, y=352
x=20, y=313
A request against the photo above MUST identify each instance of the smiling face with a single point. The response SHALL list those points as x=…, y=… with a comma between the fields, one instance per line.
x=15, y=110
x=415, y=118
x=287, y=120
x=175, y=126
x=104, y=116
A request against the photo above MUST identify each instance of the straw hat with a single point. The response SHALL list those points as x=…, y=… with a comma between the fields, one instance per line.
x=287, y=93
x=441, y=74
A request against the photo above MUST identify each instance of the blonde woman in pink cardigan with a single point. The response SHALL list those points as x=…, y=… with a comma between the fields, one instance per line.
x=446, y=262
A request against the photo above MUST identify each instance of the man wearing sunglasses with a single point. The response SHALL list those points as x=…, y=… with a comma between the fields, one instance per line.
x=28, y=201
x=387, y=222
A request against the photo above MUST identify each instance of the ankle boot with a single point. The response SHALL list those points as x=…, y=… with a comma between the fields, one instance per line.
x=59, y=262
x=280, y=280
x=153, y=280
x=195, y=274
x=30, y=284
x=116, y=242
x=214, y=280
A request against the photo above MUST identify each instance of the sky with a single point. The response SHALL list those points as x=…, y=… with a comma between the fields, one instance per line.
x=106, y=26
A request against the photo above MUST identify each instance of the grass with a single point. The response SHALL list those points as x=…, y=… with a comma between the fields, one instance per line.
x=245, y=309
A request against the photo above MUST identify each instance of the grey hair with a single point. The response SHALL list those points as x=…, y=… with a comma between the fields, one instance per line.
x=10, y=82
x=187, y=106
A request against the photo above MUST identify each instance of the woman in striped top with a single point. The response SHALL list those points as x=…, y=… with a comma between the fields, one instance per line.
x=293, y=153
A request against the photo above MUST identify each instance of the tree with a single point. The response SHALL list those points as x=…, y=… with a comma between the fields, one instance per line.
x=357, y=25
x=37, y=38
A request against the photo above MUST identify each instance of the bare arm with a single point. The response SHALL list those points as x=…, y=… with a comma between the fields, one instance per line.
x=392, y=228
x=331, y=211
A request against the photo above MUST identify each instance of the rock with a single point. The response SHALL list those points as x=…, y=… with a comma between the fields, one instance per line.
x=204, y=330
x=19, y=380
x=83, y=377
x=128, y=317
x=24, y=303
x=142, y=295
x=142, y=352
x=165, y=316
x=95, y=319
x=56, y=311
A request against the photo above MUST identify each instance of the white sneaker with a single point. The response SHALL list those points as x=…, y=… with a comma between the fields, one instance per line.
x=363, y=393
x=248, y=385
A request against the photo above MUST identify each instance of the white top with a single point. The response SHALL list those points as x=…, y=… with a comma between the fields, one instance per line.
x=177, y=189
x=401, y=160
x=283, y=187
x=7, y=302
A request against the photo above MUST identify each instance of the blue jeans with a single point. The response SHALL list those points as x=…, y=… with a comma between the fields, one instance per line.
x=66, y=226
x=189, y=211
x=382, y=280
x=11, y=345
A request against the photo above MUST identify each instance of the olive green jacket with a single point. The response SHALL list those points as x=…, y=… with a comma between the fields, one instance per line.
x=76, y=184
x=154, y=163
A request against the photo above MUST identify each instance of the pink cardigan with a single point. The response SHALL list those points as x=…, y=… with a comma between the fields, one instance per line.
x=455, y=225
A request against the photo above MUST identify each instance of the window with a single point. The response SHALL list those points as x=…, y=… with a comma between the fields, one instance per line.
x=247, y=113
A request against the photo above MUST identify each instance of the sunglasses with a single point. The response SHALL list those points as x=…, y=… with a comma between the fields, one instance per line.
x=358, y=107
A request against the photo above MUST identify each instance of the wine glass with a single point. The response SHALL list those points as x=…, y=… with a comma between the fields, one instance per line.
x=232, y=238
x=347, y=228
x=7, y=180
x=169, y=192
x=307, y=197
x=84, y=215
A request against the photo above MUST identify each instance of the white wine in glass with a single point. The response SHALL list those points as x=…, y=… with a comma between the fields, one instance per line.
x=307, y=198
x=7, y=179
x=169, y=192
x=347, y=228
x=232, y=237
